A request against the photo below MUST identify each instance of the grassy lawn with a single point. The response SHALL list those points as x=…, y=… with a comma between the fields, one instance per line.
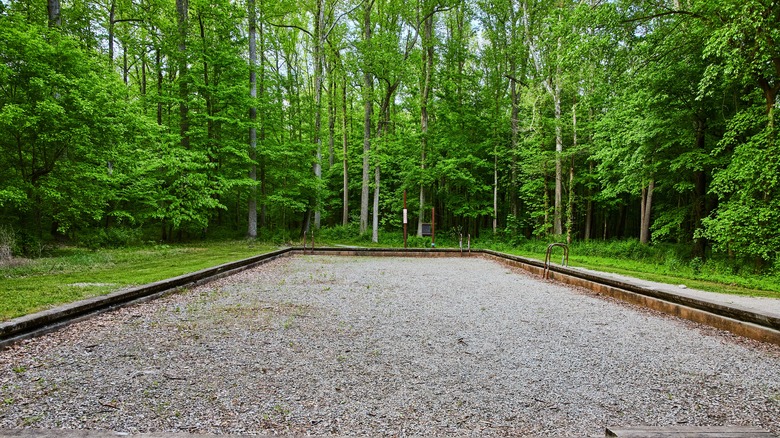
x=707, y=278
x=71, y=274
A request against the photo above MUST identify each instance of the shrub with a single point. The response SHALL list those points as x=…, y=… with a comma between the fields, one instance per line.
x=339, y=233
x=115, y=237
x=28, y=245
x=696, y=264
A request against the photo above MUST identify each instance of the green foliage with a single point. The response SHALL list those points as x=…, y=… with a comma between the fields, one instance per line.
x=94, y=149
x=61, y=116
x=748, y=189
x=114, y=237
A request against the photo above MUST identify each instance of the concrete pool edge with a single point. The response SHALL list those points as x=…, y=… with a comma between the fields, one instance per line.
x=750, y=323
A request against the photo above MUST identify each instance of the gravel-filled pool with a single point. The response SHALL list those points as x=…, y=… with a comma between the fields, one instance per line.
x=387, y=346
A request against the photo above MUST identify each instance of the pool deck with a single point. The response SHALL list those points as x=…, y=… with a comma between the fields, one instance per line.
x=769, y=306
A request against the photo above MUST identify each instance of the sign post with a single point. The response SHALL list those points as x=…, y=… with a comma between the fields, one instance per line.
x=405, y=219
x=433, y=227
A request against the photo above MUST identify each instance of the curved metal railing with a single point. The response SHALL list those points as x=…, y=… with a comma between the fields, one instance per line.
x=564, y=259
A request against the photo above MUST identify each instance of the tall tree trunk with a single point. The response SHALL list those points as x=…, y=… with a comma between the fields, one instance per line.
x=515, y=123
x=263, y=222
x=125, y=67
x=427, y=65
x=158, y=66
x=207, y=94
x=319, y=43
x=143, y=78
x=570, y=210
x=589, y=207
x=55, y=15
x=699, y=210
x=182, y=10
x=367, y=92
x=252, y=207
x=495, y=189
x=345, y=162
x=331, y=117
x=382, y=128
x=558, y=209
x=375, y=212
x=646, y=208
x=546, y=202
x=111, y=25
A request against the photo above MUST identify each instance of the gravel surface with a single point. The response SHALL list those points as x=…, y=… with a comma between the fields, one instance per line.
x=387, y=346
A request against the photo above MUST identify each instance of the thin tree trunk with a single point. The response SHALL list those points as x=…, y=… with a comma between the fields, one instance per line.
x=647, y=203
x=125, y=68
x=570, y=215
x=111, y=25
x=558, y=212
x=382, y=128
x=589, y=208
x=515, y=122
x=345, y=163
x=495, y=189
x=375, y=212
x=367, y=92
x=143, y=78
x=210, y=137
x=182, y=10
x=53, y=10
x=158, y=66
x=570, y=210
x=252, y=207
x=319, y=36
x=546, y=203
x=699, y=210
x=261, y=96
x=331, y=117
x=427, y=63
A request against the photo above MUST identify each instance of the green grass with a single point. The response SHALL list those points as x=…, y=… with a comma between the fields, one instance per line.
x=71, y=274
x=660, y=266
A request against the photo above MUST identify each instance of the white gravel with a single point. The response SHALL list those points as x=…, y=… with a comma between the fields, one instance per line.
x=387, y=346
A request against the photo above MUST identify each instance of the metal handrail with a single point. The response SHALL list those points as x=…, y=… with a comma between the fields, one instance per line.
x=564, y=259
x=304, y=242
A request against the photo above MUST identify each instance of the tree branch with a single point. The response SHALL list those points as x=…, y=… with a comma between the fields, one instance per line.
x=125, y=20
x=292, y=26
x=514, y=79
x=336, y=21
x=662, y=14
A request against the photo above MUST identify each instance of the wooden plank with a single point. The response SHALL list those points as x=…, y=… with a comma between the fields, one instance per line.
x=688, y=432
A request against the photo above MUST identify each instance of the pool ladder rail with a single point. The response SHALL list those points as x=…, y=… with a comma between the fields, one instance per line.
x=564, y=259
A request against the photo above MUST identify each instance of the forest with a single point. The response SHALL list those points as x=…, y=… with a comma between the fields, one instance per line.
x=125, y=120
